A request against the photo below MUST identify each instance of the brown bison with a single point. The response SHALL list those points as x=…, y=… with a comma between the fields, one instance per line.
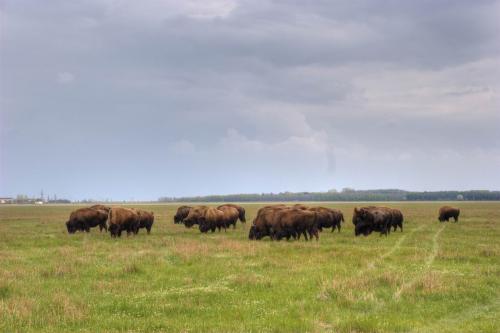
x=369, y=219
x=123, y=219
x=328, y=218
x=295, y=222
x=181, y=214
x=146, y=220
x=194, y=216
x=279, y=221
x=447, y=212
x=241, y=211
x=213, y=219
x=263, y=223
x=231, y=215
x=85, y=218
x=397, y=219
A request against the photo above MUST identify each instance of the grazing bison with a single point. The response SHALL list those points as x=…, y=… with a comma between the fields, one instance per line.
x=263, y=223
x=241, y=211
x=123, y=219
x=369, y=219
x=447, y=212
x=146, y=220
x=194, y=216
x=231, y=215
x=397, y=219
x=85, y=218
x=295, y=222
x=279, y=221
x=181, y=214
x=328, y=218
x=213, y=219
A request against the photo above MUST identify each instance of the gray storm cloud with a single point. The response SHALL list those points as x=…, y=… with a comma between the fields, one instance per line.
x=127, y=99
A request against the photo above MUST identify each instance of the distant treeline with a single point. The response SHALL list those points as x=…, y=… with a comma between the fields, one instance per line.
x=346, y=195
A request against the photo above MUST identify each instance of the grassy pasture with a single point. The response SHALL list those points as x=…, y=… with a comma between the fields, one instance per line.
x=431, y=278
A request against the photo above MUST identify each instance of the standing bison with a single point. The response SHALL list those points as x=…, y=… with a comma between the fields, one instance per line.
x=241, y=211
x=85, y=218
x=194, y=216
x=397, y=219
x=181, y=214
x=263, y=223
x=369, y=219
x=280, y=221
x=328, y=218
x=123, y=219
x=212, y=219
x=231, y=215
x=447, y=212
x=146, y=220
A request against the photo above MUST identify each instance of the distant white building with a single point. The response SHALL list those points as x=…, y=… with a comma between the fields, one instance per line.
x=6, y=200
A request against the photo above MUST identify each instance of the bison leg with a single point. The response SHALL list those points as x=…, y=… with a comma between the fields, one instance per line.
x=315, y=232
x=305, y=235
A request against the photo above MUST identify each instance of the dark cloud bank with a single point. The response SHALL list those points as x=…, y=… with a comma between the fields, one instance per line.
x=138, y=99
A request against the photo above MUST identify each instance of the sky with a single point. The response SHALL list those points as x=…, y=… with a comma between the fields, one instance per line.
x=135, y=100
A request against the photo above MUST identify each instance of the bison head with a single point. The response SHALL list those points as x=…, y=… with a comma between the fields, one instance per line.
x=70, y=227
x=253, y=233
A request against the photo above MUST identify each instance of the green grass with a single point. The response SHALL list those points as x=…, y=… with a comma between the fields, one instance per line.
x=431, y=278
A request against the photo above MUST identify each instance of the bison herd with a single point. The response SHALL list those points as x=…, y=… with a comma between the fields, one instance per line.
x=112, y=219
x=273, y=221
x=281, y=221
x=210, y=218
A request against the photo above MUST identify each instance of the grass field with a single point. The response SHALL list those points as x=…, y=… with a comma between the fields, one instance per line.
x=433, y=277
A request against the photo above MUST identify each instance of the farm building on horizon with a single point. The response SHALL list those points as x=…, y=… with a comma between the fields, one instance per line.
x=6, y=200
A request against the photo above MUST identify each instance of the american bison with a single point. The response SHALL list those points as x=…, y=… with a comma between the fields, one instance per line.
x=328, y=218
x=447, y=212
x=181, y=214
x=212, y=219
x=146, y=220
x=85, y=218
x=369, y=219
x=194, y=216
x=231, y=215
x=397, y=219
x=279, y=221
x=123, y=219
x=241, y=211
x=262, y=225
x=295, y=222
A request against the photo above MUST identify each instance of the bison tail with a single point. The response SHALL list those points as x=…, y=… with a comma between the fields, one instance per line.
x=341, y=217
